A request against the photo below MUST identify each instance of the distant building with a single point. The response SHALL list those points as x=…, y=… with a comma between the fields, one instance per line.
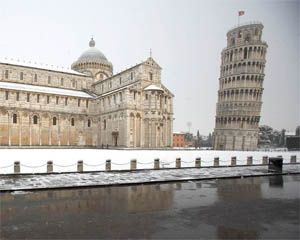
x=292, y=140
x=179, y=140
x=88, y=106
x=240, y=89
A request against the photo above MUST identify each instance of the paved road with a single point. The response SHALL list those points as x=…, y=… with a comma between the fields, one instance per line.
x=247, y=208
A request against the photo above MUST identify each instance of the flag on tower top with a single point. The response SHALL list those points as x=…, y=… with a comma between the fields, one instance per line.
x=241, y=13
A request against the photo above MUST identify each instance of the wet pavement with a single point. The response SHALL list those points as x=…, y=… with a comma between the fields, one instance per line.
x=242, y=208
x=23, y=182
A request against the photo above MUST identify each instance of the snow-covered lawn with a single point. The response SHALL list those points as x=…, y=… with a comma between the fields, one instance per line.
x=65, y=160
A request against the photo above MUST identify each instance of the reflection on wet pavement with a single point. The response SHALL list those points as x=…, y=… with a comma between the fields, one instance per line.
x=258, y=207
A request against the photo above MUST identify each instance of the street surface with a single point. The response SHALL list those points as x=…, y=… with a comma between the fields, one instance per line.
x=243, y=208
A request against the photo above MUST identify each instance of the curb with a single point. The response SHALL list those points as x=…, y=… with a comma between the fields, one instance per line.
x=146, y=183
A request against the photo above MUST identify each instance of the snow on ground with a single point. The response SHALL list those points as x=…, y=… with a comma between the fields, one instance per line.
x=65, y=160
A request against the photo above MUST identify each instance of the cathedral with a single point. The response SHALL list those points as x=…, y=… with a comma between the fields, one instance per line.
x=85, y=106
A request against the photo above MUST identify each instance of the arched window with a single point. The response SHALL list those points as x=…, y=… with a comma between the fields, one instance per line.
x=6, y=74
x=232, y=41
x=245, y=53
x=21, y=75
x=35, y=119
x=150, y=76
x=35, y=77
x=89, y=123
x=72, y=122
x=247, y=38
x=54, y=121
x=104, y=124
x=15, y=118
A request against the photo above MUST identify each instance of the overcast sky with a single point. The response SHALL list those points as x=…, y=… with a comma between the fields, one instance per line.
x=186, y=38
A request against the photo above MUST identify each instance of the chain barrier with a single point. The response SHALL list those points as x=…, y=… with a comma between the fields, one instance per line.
x=188, y=162
x=7, y=166
x=93, y=165
x=211, y=162
x=145, y=163
x=120, y=163
x=205, y=161
x=64, y=165
x=23, y=165
x=223, y=161
x=167, y=163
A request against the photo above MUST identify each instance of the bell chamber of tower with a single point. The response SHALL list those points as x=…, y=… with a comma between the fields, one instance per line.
x=94, y=63
x=240, y=89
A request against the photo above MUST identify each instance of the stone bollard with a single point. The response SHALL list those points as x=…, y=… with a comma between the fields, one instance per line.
x=198, y=162
x=17, y=167
x=108, y=165
x=294, y=159
x=265, y=160
x=178, y=162
x=49, y=167
x=133, y=164
x=233, y=161
x=249, y=160
x=156, y=163
x=80, y=166
x=216, y=162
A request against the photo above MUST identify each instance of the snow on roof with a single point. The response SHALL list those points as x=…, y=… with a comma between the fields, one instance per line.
x=33, y=64
x=179, y=133
x=42, y=89
x=153, y=87
x=290, y=133
x=116, y=90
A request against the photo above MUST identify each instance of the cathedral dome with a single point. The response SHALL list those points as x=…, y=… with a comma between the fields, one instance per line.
x=92, y=55
x=93, y=61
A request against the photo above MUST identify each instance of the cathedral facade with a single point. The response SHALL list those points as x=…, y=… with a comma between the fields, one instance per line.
x=87, y=106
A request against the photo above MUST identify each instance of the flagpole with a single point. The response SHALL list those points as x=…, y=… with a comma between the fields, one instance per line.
x=240, y=13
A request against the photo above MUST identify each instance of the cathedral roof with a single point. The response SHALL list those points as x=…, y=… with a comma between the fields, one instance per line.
x=44, y=89
x=92, y=55
x=153, y=87
x=36, y=65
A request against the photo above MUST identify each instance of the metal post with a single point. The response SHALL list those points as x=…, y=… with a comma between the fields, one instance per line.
x=17, y=167
x=294, y=159
x=265, y=160
x=178, y=162
x=133, y=164
x=80, y=166
x=198, y=162
x=156, y=163
x=108, y=165
x=216, y=162
x=233, y=161
x=49, y=167
x=249, y=160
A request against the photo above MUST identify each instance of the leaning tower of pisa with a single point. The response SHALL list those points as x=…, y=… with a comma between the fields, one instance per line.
x=240, y=89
